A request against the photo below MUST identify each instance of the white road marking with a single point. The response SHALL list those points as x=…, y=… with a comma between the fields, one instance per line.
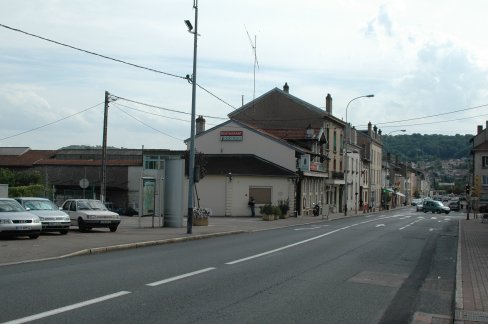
x=408, y=225
x=186, y=275
x=380, y=225
x=67, y=308
x=304, y=241
x=431, y=229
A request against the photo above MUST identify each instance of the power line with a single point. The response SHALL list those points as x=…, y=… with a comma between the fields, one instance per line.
x=149, y=126
x=435, y=122
x=163, y=108
x=92, y=53
x=187, y=77
x=435, y=115
x=51, y=123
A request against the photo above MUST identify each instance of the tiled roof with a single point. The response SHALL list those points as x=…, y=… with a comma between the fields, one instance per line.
x=89, y=162
x=27, y=159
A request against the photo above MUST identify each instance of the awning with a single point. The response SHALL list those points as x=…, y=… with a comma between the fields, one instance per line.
x=400, y=194
x=388, y=190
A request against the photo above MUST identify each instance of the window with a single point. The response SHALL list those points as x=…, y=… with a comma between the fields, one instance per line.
x=484, y=161
x=262, y=195
x=485, y=181
x=153, y=162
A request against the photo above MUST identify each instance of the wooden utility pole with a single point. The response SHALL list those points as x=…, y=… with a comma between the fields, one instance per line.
x=103, y=187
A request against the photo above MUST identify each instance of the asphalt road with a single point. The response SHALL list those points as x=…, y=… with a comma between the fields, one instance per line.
x=378, y=269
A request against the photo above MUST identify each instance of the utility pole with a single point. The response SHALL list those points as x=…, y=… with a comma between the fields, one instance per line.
x=103, y=186
x=191, y=160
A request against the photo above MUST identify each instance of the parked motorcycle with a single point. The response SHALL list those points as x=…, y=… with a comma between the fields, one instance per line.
x=316, y=209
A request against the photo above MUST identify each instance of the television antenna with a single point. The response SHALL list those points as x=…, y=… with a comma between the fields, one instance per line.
x=256, y=63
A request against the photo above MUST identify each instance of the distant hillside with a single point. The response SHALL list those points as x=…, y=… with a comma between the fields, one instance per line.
x=417, y=147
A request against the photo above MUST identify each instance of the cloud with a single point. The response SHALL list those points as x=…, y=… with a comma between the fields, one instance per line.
x=381, y=24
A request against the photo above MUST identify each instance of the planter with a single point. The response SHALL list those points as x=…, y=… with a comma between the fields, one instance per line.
x=200, y=221
x=283, y=216
x=268, y=217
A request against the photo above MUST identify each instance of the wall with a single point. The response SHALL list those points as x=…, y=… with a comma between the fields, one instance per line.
x=252, y=143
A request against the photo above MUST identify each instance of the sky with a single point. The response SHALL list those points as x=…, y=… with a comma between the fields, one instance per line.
x=426, y=63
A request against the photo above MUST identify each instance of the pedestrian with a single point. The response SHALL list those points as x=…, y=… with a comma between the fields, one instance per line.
x=251, y=204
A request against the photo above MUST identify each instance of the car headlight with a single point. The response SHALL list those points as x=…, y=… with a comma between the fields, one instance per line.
x=5, y=221
x=36, y=221
x=41, y=218
x=66, y=219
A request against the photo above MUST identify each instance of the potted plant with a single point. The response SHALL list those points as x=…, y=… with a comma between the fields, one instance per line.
x=267, y=212
x=201, y=216
x=284, y=207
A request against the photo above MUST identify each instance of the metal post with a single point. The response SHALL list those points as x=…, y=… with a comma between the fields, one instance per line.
x=346, y=159
x=191, y=162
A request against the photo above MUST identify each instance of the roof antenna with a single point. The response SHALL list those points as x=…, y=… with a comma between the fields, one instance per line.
x=256, y=63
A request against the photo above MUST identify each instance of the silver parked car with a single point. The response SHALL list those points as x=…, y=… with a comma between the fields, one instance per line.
x=90, y=213
x=52, y=219
x=16, y=221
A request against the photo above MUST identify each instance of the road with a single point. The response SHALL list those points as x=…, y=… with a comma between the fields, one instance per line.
x=381, y=268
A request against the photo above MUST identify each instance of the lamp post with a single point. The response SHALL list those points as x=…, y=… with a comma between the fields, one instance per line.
x=191, y=162
x=345, y=195
x=397, y=130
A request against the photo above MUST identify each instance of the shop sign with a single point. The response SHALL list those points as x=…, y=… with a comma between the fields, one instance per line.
x=230, y=136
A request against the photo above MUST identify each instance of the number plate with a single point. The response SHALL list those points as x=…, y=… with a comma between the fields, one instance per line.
x=55, y=224
x=20, y=228
x=105, y=222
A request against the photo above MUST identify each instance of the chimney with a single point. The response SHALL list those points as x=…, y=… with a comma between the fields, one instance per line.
x=480, y=129
x=286, y=88
x=328, y=104
x=200, y=124
x=375, y=129
x=369, y=129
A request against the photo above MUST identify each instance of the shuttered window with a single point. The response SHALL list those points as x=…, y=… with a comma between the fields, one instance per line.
x=262, y=195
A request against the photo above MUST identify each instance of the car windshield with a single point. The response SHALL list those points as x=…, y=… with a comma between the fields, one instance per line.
x=40, y=205
x=91, y=205
x=438, y=203
x=10, y=206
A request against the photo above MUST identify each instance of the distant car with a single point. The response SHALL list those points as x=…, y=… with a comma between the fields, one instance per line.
x=52, y=219
x=419, y=207
x=435, y=206
x=416, y=201
x=16, y=221
x=455, y=205
x=90, y=213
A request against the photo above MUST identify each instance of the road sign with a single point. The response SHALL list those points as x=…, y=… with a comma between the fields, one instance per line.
x=84, y=183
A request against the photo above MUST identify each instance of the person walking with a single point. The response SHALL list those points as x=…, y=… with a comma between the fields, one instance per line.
x=251, y=205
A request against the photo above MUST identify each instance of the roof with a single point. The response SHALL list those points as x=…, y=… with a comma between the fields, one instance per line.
x=243, y=164
x=25, y=159
x=282, y=110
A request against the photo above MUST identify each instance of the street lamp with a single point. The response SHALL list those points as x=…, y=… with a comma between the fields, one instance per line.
x=397, y=130
x=345, y=152
x=191, y=162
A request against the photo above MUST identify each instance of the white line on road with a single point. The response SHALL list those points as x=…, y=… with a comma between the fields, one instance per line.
x=418, y=220
x=157, y=283
x=380, y=225
x=67, y=308
x=304, y=241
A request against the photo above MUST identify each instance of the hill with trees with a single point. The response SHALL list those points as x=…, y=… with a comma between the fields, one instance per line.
x=417, y=147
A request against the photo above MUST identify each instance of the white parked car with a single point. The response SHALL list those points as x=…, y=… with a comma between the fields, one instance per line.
x=16, y=221
x=90, y=213
x=52, y=219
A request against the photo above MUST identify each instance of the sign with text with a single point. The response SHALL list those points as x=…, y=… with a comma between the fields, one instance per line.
x=229, y=136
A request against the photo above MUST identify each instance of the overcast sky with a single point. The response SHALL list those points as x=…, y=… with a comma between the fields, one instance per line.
x=419, y=58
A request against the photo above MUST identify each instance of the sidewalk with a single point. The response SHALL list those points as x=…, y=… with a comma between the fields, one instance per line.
x=472, y=272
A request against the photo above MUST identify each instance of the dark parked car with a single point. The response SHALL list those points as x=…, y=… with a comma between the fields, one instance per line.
x=435, y=206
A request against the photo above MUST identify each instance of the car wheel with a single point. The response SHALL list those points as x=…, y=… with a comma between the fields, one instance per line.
x=34, y=236
x=447, y=212
x=425, y=211
x=63, y=232
x=81, y=225
x=113, y=228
